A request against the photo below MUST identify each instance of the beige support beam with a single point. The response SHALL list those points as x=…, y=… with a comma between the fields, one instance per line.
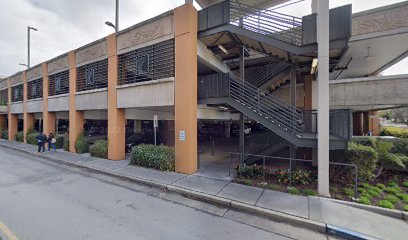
x=116, y=116
x=28, y=118
x=185, y=20
x=76, y=118
x=48, y=117
x=12, y=118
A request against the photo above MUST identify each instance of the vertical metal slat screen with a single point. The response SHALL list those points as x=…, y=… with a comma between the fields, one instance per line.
x=17, y=93
x=147, y=63
x=58, y=83
x=92, y=76
x=4, y=97
x=35, y=89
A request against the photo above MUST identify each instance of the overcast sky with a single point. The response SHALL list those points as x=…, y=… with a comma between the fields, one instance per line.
x=65, y=25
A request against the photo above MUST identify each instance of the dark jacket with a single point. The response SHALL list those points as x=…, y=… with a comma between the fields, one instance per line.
x=41, y=138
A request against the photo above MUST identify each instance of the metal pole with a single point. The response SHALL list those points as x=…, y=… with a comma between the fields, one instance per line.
x=356, y=184
x=117, y=16
x=264, y=170
x=290, y=172
x=28, y=46
x=212, y=148
x=229, y=170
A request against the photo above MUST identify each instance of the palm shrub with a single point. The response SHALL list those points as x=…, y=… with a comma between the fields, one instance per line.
x=151, y=156
x=32, y=138
x=81, y=144
x=394, y=131
x=60, y=140
x=99, y=149
x=389, y=160
x=365, y=158
x=20, y=136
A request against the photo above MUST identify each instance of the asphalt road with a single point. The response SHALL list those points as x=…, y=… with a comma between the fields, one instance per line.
x=43, y=200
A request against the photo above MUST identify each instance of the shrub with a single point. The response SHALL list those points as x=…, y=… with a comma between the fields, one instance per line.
x=365, y=141
x=99, y=149
x=151, y=156
x=248, y=182
x=32, y=138
x=364, y=200
x=406, y=208
x=348, y=191
x=373, y=193
x=365, y=158
x=400, y=145
x=405, y=184
x=392, y=199
x=394, y=131
x=298, y=176
x=81, y=144
x=403, y=197
x=385, y=204
x=309, y=192
x=274, y=187
x=390, y=160
x=392, y=184
x=20, y=136
x=250, y=172
x=293, y=190
x=380, y=185
x=4, y=134
x=60, y=140
x=66, y=144
x=392, y=190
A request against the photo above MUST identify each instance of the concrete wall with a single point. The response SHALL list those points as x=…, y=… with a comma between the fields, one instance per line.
x=139, y=114
x=3, y=109
x=148, y=94
x=95, y=115
x=62, y=115
x=92, y=100
x=34, y=106
x=58, y=103
x=16, y=108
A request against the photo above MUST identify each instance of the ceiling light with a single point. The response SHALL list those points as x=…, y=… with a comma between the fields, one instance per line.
x=223, y=49
x=313, y=69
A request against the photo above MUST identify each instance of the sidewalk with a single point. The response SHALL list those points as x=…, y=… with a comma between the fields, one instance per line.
x=320, y=214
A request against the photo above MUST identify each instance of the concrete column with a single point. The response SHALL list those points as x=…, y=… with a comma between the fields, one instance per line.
x=373, y=123
x=323, y=141
x=308, y=102
x=28, y=118
x=12, y=118
x=116, y=116
x=185, y=26
x=48, y=117
x=76, y=118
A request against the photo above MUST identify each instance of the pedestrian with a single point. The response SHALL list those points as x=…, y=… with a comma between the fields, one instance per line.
x=41, y=139
x=51, y=142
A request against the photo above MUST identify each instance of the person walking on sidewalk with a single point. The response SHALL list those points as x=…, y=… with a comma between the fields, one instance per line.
x=51, y=142
x=41, y=139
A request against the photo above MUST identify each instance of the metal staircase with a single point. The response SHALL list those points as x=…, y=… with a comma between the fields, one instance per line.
x=281, y=118
x=267, y=72
x=262, y=143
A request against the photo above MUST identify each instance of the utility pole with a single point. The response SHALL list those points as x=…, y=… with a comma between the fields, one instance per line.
x=28, y=44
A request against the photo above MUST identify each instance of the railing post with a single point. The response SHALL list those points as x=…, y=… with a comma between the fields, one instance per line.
x=264, y=170
x=290, y=172
x=356, y=184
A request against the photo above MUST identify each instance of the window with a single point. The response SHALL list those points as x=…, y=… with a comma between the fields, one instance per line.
x=89, y=76
x=15, y=94
x=34, y=89
x=57, y=84
x=142, y=64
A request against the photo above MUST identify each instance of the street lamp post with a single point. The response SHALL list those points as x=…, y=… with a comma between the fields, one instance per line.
x=116, y=25
x=28, y=44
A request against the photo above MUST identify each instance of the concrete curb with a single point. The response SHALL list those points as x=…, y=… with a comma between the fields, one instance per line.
x=383, y=211
x=348, y=234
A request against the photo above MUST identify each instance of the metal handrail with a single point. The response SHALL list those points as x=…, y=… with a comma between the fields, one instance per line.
x=271, y=23
x=267, y=72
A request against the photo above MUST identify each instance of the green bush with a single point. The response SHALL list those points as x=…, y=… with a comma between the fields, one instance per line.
x=365, y=141
x=373, y=193
x=151, y=156
x=394, y=131
x=60, y=140
x=274, y=187
x=32, y=138
x=392, y=190
x=309, y=192
x=365, y=158
x=392, y=199
x=406, y=208
x=293, y=190
x=392, y=184
x=349, y=192
x=4, y=134
x=400, y=145
x=250, y=172
x=405, y=184
x=66, y=144
x=403, y=197
x=248, y=182
x=299, y=176
x=380, y=185
x=81, y=144
x=364, y=200
x=385, y=204
x=390, y=160
x=99, y=149
x=20, y=136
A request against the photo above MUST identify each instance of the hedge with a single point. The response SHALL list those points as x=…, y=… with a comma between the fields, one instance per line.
x=4, y=134
x=365, y=141
x=32, y=138
x=66, y=144
x=151, y=156
x=20, y=136
x=365, y=158
x=394, y=131
x=60, y=140
x=99, y=149
x=81, y=144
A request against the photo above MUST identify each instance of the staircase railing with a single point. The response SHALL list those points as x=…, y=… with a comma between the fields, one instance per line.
x=271, y=23
x=267, y=72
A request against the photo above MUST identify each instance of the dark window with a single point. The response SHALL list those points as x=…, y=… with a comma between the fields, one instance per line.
x=148, y=63
x=17, y=93
x=4, y=97
x=35, y=89
x=58, y=83
x=92, y=76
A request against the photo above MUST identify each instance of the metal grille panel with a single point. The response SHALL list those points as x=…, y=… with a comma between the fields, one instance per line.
x=4, y=97
x=148, y=63
x=35, y=89
x=92, y=76
x=58, y=83
x=17, y=93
